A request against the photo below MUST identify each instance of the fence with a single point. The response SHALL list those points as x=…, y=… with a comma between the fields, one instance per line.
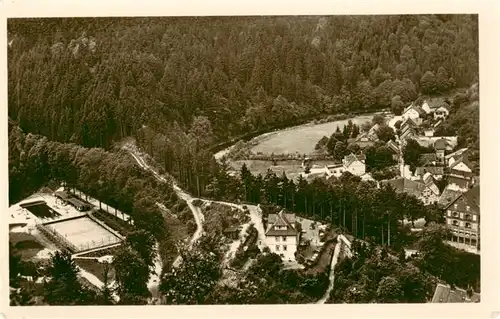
x=57, y=238
x=109, y=240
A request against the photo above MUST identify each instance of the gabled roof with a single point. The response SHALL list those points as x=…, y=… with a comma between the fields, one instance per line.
x=462, y=159
x=416, y=108
x=281, y=219
x=392, y=146
x=457, y=153
x=404, y=185
x=409, y=122
x=444, y=294
x=471, y=197
x=349, y=159
x=365, y=136
x=428, y=158
x=434, y=170
x=448, y=196
x=438, y=123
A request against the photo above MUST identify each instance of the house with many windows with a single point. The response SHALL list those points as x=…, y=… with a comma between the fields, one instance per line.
x=463, y=217
x=282, y=235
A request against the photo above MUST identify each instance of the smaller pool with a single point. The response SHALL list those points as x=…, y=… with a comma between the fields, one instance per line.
x=40, y=209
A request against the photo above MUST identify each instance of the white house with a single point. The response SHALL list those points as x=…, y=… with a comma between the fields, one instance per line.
x=282, y=236
x=441, y=113
x=427, y=108
x=355, y=164
x=413, y=112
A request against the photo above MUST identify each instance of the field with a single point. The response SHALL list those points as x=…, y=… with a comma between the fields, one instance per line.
x=84, y=233
x=41, y=210
x=301, y=139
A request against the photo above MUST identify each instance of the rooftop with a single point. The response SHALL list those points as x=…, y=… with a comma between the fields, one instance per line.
x=349, y=159
x=444, y=294
x=407, y=186
x=281, y=219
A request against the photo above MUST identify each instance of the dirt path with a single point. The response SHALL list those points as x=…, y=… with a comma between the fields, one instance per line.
x=197, y=214
x=335, y=258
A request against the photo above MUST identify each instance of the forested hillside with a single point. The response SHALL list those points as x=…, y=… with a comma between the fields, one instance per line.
x=92, y=81
x=181, y=85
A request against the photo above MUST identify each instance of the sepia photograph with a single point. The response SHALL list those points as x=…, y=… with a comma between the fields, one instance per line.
x=237, y=160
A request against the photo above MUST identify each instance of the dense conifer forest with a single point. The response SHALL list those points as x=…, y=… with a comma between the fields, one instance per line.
x=181, y=86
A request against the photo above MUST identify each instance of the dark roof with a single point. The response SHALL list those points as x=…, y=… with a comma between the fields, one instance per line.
x=62, y=195
x=471, y=197
x=428, y=159
x=440, y=144
x=434, y=170
x=448, y=196
x=392, y=146
x=404, y=185
x=409, y=122
x=456, y=154
x=444, y=294
x=281, y=219
x=351, y=158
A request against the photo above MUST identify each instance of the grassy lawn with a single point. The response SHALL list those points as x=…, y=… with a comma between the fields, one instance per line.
x=302, y=139
x=96, y=268
x=26, y=245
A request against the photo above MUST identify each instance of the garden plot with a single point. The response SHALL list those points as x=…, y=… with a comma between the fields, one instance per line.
x=84, y=233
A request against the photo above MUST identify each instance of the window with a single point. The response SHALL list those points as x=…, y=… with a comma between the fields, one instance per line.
x=277, y=247
x=468, y=208
x=474, y=217
x=467, y=225
x=455, y=223
x=462, y=215
x=284, y=247
x=455, y=206
x=284, y=238
x=449, y=212
x=277, y=238
x=455, y=214
x=468, y=217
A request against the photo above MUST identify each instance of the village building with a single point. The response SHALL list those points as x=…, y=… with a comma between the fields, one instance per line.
x=452, y=157
x=427, y=108
x=393, y=147
x=436, y=171
x=463, y=218
x=448, y=294
x=427, y=141
x=355, y=164
x=441, y=113
x=373, y=131
x=413, y=112
x=429, y=159
x=428, y=194
x=364, y=140
x=76, y=203
x=447, y=196
x=440, y=147
x=282, y=235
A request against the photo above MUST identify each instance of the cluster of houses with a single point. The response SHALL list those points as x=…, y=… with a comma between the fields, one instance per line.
x=460, y=197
